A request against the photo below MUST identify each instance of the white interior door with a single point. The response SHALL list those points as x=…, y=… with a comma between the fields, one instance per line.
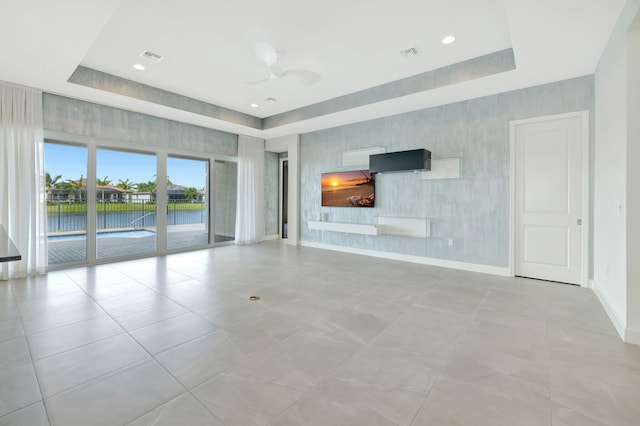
x=549, y=198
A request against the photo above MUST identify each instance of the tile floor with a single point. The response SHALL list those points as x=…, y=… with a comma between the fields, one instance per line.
x=335, y=339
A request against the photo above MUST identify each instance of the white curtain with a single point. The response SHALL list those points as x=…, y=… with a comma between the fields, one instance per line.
x=22, y=193
x=250, y=210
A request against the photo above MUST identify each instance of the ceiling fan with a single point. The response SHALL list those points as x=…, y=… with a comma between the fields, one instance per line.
x=268, y=55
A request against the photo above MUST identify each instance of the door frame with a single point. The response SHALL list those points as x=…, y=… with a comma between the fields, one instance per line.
x=586, y=220
x=281, y=195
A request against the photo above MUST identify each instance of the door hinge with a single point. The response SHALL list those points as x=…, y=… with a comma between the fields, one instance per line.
x=579, y=221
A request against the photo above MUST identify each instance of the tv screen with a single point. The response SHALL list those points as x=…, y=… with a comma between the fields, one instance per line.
x=348, y=189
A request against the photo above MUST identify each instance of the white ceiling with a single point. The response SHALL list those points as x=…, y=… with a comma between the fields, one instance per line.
x=208, y=49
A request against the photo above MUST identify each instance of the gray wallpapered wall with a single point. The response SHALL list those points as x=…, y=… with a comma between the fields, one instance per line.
x=474, y=210
x=82, y=118
x=225, y=181
x=271, y=166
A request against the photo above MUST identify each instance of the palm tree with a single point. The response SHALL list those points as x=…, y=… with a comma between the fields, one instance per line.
x=149, y=187
x=77, y=185
x=102, y=183
x=126, y=184
x=50, y=183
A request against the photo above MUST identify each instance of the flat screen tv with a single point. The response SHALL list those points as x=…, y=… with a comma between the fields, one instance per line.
x=354, y=188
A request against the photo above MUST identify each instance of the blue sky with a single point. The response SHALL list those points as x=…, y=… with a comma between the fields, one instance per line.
x=71, y=163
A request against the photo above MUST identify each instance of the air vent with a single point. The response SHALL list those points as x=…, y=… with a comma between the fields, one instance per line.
x=154, y=57
x=412, y=51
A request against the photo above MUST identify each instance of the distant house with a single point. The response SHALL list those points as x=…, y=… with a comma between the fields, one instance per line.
x=177, y=193
x=112, y=193
x=137, y=197
x=77, y=191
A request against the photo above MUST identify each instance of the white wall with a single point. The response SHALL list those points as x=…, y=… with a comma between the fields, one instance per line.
x=610, y=173
x=632, y=333
x=291, y=145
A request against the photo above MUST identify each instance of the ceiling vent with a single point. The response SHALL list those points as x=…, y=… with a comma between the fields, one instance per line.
x=154, y=57
x=412, y=51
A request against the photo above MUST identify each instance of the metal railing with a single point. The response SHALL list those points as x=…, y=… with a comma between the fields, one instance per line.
x=64, y=216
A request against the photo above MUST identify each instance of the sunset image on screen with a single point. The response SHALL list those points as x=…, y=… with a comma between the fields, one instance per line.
x=348, y=189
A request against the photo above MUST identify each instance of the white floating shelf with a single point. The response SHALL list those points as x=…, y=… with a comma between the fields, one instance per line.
x=443, y=168
x=417, y=227
x=399, y=226
x=358, y=157
x=349, y=228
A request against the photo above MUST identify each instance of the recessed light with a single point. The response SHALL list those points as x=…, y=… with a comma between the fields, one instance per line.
x=448, y=39
x=254, y=105
x=139, y=67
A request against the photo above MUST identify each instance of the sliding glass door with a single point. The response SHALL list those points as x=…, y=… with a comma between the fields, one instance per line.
x=126, y=203
x=66, y=186
x=187, y=203
x=102, y=202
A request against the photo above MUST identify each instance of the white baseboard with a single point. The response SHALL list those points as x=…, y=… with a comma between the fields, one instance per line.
x=472, y=267
x=618, y=323
x=632, y=336
x=271, y=237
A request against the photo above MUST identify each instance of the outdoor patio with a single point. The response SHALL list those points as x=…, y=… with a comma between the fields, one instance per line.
x=74, y=249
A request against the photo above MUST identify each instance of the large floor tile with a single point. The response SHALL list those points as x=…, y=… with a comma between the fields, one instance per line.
x=495, y=400
x=398, y=292
x=232, y=311
x=423, y=330
x=201, y=359
x=65, y=370
x=18, y=388
x=591, y=393
x=63, y=315
x=532, y=304
x=9, y=309
x=184, y=410
x=10, y=329
x=263, y=331
x=563, y=416
x=342, y=339
x=466, y=304
x=525, y=344
x=515, y=318
x=195, y=295
x=342, y=402
x=299, y=361
x=116, y=398
x=33, y=415
x=391, y=369
x=60, y=339
x=347, y=323
x=14, y=353
x=239, y=401
x=469, y=362
x=160, y=336
x=43, y=286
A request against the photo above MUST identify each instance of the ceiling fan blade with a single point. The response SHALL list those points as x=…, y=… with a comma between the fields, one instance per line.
x=306, y=77
x=276, y=71
x=266, y=53
x=264, y=80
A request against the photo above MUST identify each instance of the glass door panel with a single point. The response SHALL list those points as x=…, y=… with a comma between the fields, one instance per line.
x=225, y=188
x=66, y=185
x=126, y=204
x=187, y=203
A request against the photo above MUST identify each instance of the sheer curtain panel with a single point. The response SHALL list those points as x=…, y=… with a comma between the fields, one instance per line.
x=22, y=193
x=250, y=211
